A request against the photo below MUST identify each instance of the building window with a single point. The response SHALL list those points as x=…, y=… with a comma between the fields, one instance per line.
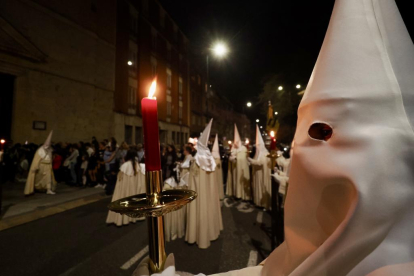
x=132, y=56
x=153, y=66
x=162, y=18
x=180, y=110
x=180, y=86
x=128, y=134
x=145, y=6
x=133, y=23
x=132, y=102
x=154, y=39
x=168, y=51
x=168, y=105
x=138, y=135
x=169, y=78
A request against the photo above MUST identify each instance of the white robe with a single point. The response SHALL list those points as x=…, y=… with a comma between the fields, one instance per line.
x=127, y=184
x=41, y=173
x=204, y=220
x=174, y=222
x=241, y=174
x=219, y=178
x=261, y=182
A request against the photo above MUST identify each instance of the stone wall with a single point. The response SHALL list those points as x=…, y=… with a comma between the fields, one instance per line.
x=64, y=69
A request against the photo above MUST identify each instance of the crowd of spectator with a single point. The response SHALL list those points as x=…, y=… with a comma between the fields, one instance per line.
x=85, y=164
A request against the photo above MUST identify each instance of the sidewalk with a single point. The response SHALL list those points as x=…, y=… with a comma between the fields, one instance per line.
x=18, y=209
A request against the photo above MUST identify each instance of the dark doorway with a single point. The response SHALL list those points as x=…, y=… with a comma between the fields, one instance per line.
x=6, y=105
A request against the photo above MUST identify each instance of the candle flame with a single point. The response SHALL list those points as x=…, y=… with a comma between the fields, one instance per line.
x=272, y=134
x=152, y=88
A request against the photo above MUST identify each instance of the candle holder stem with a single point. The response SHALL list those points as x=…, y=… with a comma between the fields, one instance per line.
x=153, y=180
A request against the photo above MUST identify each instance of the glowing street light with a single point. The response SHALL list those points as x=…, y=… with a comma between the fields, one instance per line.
x=220, y=49
x=257, y=120
x=298, y=86
x=249, y=104
x=276, y=113
x=130, y=63
x=261, y=126
x=280, y=88
x=2, y=141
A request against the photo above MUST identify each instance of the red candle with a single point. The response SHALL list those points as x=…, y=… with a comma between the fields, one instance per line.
x=151, y=131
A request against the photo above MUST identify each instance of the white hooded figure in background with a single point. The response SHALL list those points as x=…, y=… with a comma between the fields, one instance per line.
x=204, y=221
x=219, y=170
x=41, y=176
x=261, y=173
x=130, y=181
x=239, y=183
x=350, y=205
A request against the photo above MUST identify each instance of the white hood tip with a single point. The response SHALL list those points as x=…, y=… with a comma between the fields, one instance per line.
x=237, y=143
x=203, y=157
x=260, y=145
x=216, y=150
x=48, y=141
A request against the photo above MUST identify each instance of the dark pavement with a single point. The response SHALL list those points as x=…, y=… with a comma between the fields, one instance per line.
x=78, y=242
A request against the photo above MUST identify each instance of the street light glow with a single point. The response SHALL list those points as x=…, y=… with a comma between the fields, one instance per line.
x=249, y=104
x=129, y=62
x=257, y=120
x=220, y=49
x=276, y=113
x=261, y=127
x=298, y=86
x=280, y=88
x=2, y=141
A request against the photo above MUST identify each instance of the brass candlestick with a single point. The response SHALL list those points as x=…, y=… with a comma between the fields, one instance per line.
x=153, y=205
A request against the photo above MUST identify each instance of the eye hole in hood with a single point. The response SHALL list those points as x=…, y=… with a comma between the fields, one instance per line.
x=320, y=131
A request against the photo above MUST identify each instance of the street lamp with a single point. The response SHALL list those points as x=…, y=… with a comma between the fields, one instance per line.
x=276, y=113
x=280, y=88
x=298, y=86
x=257, y=120
x=249, y=104
x=129, y=62
x=261, y=127
x=220, y=49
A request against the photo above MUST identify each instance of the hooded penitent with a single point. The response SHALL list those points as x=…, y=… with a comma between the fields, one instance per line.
x=350, y=204
x=218, y=171
x=40, y=175
x=262, y=186
x=238, y=178
x=204, y=221
x=203, y=157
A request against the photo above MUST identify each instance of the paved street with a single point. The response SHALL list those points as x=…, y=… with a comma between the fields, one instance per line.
x=78, y=242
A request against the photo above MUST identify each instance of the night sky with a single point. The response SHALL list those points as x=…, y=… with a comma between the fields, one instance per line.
x=265, y=37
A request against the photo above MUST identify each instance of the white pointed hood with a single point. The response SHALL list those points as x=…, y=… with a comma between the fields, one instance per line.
x=216, y=151
x=260, y=145
x=237, y=143
x=350, y=204
x=48, y=141
x=203, y=157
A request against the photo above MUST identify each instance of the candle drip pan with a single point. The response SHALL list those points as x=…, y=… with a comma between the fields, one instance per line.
x=155, y=205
